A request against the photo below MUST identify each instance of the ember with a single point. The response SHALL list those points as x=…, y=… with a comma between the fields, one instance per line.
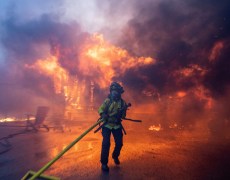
x=155, y=128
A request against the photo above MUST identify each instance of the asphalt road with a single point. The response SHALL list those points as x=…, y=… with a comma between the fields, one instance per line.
x=171, y=154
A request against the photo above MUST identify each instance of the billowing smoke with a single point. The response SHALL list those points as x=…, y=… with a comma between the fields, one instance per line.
x=190, y=41
x=181, y=35
x=169, y=54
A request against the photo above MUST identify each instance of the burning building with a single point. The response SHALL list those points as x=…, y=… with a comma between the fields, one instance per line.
x=165, y=64
x=171, y=56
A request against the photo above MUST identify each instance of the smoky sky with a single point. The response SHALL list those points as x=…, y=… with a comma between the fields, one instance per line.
x=178, y=34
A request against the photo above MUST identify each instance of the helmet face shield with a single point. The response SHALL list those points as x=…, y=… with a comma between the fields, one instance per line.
x=116, y=87
x=114, y=94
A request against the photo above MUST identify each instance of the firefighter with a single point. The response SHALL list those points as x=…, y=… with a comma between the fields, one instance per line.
x=112, y=111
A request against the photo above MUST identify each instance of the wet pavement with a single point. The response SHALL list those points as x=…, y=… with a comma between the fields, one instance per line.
x=145, y=155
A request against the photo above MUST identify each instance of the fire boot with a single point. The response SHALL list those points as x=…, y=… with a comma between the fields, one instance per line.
x=116, y=160
x=104, y=167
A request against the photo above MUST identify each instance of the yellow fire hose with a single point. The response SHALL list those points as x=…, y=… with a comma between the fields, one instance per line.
x=33, y=175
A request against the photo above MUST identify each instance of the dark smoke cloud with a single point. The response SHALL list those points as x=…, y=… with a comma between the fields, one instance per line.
x=218, y=78
x=179, y=34
x=22, y=39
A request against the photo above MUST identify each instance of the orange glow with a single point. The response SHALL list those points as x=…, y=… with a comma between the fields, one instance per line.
x=106, y=60
x=52, y=68
x=98, y=61
x=216, y=50
x=155, y=128
x=14, y=119
x=173, y=126
x=191, y=70
x=204, y=94
x=181, y=94
x=7, y=119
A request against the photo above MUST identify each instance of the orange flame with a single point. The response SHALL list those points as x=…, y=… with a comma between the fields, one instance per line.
x=191, y=70
x=8, y=119
x=107, y=60
x=155, y=128
x=52, y=68
x=181, y=94
x=98, y=61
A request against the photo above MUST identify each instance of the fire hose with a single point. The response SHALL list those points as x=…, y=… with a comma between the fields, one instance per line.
x=33, y=175
x=4, y=141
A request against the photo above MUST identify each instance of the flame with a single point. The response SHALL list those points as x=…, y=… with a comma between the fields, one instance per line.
x=71, y=88
x=98, y=61
x=14, y=119
x=52, y=68
x=190, y=71
x=8, y=119
x=172, y=126
x=181, y=94
x=99, y=57
x=155, y=128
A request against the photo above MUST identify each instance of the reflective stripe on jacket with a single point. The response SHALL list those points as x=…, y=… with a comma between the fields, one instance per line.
x=112, y=111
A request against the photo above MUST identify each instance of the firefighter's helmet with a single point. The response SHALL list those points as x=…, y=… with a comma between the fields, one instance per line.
x=117, y=87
